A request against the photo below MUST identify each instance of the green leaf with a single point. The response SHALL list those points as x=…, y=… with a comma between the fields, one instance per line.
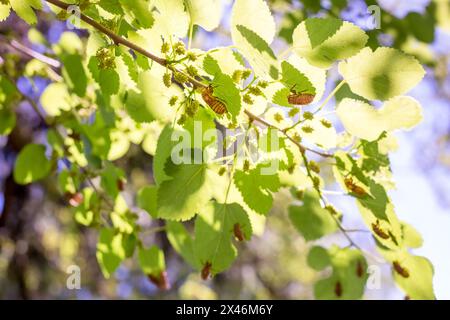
x=345, y=92
x=74, y=74
x=146, y=199
x=419, y=284
x=128, y=70
x=111, y=250
x=24, y=9
x=320, y=29
x=198, y=126
x=5, y=10
x=411, y=237
x=69, y=43
x=227, y=92
x=99, y=135
x=151, y=102
x=163, y=152
x=256, y=41
x=87, y=211
x=364, y=121
x=152, y=261
x=109, y=81
x=422, y=26
x=261, y=55
x=318, y=258
x=413, y=274
x=256, y=188
x=225, y=89
x=122, y=218
x=253, y=33
x=324, y=136
x=172, y=18
x=111, y=6
x=222, y=59
x=210, y=65
x=55, y=98
x=8, y=92
x=322, y=41
x=8, y=97
x=348, y=277
x=317, y=76
x=281, y=97
x=110, y=178
x=139, y=10
x=181, y=241
x=375, y=207
x=372, y=159
x=205, y=13
x=310, y=219
x=381, y=74
x=185, y=193
x=31, y=164
x=295, y=80
x=254, y=15
x=68, y=181
x=8, y=121
x=214, y=228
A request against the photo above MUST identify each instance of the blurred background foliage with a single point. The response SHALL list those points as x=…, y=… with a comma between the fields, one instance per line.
x=39, y=237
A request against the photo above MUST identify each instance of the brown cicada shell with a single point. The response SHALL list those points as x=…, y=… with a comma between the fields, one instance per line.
x=206, y=271
x=74, y=199
x=354, y=188
x=161, y=281
x=338, y=289
x=216, y=105
x=400, y=270
x=359, y=269
x=379, y=231
x=238, y=232
x=300, y=98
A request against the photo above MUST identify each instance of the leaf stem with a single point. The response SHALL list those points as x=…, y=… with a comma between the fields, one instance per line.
x=285, y=52
x=154, y=230
x=191, y=32
x=331, y=95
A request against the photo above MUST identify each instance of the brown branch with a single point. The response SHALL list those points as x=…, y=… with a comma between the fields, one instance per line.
x=116, y=38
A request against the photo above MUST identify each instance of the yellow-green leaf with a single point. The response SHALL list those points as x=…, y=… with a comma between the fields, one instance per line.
x=381, y=74
x=364, y=121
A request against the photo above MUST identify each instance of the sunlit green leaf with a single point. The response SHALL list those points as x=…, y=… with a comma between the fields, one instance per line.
x=310, y=219
x=381, y=74
x=31, y=164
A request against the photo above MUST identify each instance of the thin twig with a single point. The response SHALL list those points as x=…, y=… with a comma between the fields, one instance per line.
x=331, y=95
x=301, y=147
x=153, y=230
x=31, y=53
x=17, y=46
x=357, y=230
